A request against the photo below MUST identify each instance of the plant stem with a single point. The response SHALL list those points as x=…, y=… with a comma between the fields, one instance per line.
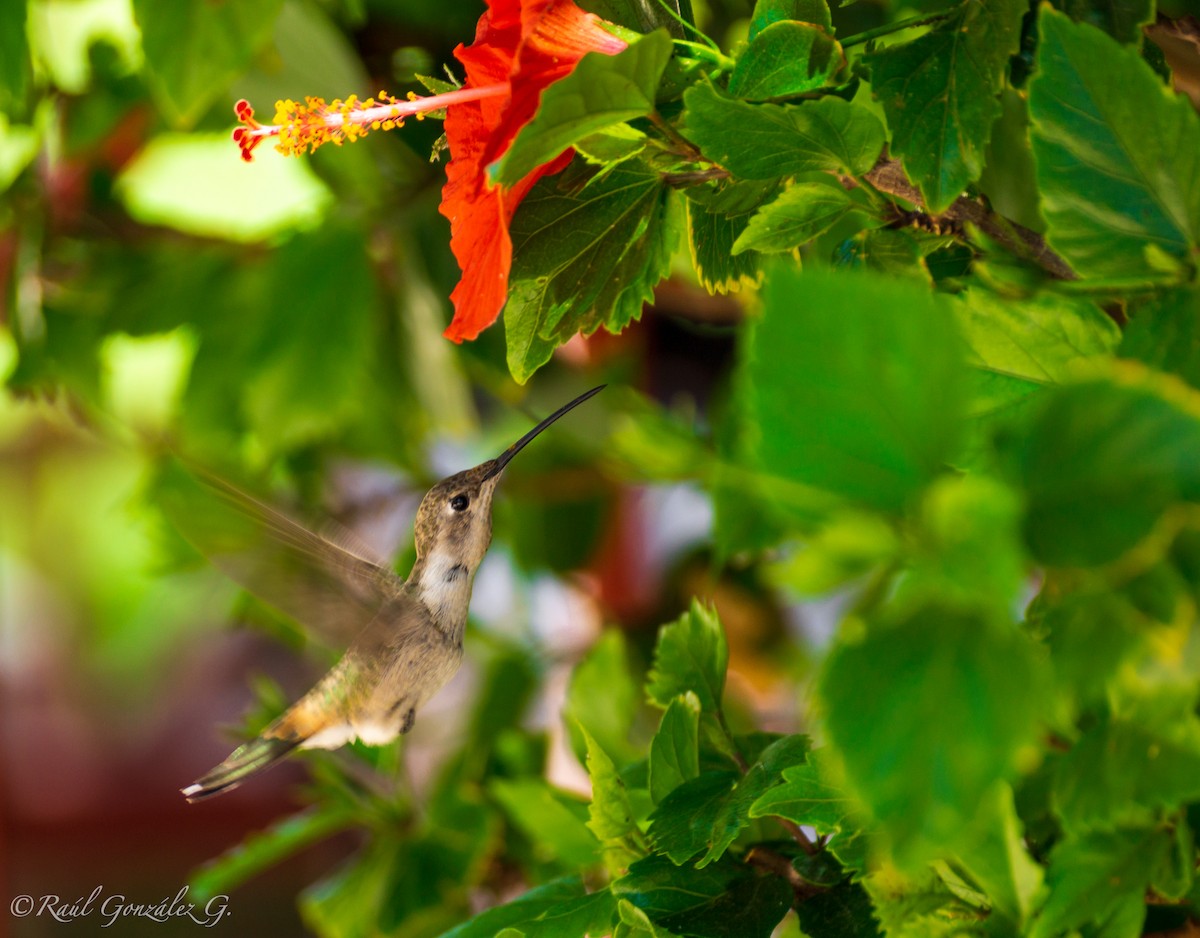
x=767, y=859
x=686, y=25
x=924, y=19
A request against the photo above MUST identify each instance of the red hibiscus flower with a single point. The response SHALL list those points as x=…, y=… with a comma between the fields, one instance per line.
x=521, y=47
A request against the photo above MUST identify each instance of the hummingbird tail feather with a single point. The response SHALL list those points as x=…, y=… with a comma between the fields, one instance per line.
x=247, y=760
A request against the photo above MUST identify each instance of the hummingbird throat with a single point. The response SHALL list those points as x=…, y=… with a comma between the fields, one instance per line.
x=444, y=586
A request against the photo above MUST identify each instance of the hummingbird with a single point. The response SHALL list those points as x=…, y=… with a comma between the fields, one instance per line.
x=405, y=636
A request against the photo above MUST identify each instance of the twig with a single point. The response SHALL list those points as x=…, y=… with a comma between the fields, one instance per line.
x=924, y=19
x=888, y=176
x=777, y=863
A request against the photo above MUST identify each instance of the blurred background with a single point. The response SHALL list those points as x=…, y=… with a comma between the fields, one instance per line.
x=281, y=322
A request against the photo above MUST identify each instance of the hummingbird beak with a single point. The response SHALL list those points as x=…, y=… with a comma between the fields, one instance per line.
x=502, y=460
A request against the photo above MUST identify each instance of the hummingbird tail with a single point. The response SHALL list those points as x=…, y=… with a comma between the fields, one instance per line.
x=247, y=760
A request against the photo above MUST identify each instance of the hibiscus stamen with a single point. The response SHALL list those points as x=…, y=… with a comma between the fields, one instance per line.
x=301, y=128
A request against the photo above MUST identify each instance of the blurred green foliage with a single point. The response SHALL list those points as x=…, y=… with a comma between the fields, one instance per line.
x=965, y=400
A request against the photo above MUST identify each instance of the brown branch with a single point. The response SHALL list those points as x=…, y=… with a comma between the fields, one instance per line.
x=888, y=177
x=781, y=866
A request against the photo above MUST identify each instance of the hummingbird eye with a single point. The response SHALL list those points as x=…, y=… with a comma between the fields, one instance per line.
x=459, y=502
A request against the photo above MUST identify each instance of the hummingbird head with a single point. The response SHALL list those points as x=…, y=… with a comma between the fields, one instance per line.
x=454, y=523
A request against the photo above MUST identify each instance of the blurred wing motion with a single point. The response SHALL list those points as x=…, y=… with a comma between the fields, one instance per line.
x=331, y=589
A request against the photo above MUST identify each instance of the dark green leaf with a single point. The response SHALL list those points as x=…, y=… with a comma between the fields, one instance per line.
x=675, y=749
x=769, y=12
x=1121, y=19
x=1100, y=879
x=766, y=141
x=1125, y=442
x=587, y=252
x=940, y=95
x=709, y=812
x=857, y=382
x=717, y=216
x=604, y=697
x=795, y=218
x=786, y=58
x=953, y=701
x=724, y=900
x=1117, y=154
x=601, y=90
x=1164, y=332
x=195, y=48
x=844, y=911
x=684, y=823
x=691, y=655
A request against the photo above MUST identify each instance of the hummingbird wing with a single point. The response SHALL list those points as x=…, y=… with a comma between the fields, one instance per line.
x=334, y=589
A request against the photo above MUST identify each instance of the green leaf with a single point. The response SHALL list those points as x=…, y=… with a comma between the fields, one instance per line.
x=634, y=923
x=15, y=66
x=691, y=655
x=891, y=352
x=684, y=822
x=717, y=215
x=844, y=911
x=1121, y=19
x=786, y=58
x=195, y=48
x=923, y=906
x=1126, y=442
x=1100, y=880
x=795, y=218
x=267, y=848
x=527, y=908
x=709, y=812
x=1039, y=340
x=953, y=701
x=604, y=697
x=1117, y=154
x=610, y=813
x=1090, y=637
x=968, y=545
x=769, y=12
x=1164, y=332
x=554, y=830
x=766, y=141
x=724, y=900
x=587, y=252
x=591, y=914
x=309, y=382
x=1119, y=772
x=994, y=854
x=810, y=795
x=675, y=749
x=940, y=94
x=600, y=91
x=346, y=904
